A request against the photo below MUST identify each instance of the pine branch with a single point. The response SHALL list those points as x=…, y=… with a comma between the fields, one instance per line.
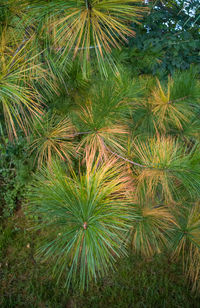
x=178, y=100
x=119, y=156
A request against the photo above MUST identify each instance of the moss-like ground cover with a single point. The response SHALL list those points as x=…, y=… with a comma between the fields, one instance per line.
x=137, y=282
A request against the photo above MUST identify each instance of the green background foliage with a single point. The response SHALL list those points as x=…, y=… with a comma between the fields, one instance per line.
x=166, y=40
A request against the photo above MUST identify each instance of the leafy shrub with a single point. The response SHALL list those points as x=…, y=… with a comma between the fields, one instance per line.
x=15, y=173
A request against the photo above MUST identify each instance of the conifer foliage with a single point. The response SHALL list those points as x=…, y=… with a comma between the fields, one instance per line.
x=118, y=158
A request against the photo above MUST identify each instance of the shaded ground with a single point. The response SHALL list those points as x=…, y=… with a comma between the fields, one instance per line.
x=136, y=283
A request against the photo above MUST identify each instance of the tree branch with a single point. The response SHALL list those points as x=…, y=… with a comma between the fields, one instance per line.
x=178, y=100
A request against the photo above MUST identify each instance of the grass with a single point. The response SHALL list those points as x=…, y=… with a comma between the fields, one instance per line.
x=155, y=282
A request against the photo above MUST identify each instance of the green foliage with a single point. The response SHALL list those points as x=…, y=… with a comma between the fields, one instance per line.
x=19, y=99
x=102, y=119
x=85, y=28
x=167, y=40
x=169, y=106
x=187, y=242
x=127, y=148
x=169, y=169
x=86, y=217
x=52, y=137
x=150, y=232
x=15, y=173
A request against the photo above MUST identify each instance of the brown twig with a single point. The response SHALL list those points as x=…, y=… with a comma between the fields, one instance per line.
x=178, y=100
x=125, y=159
